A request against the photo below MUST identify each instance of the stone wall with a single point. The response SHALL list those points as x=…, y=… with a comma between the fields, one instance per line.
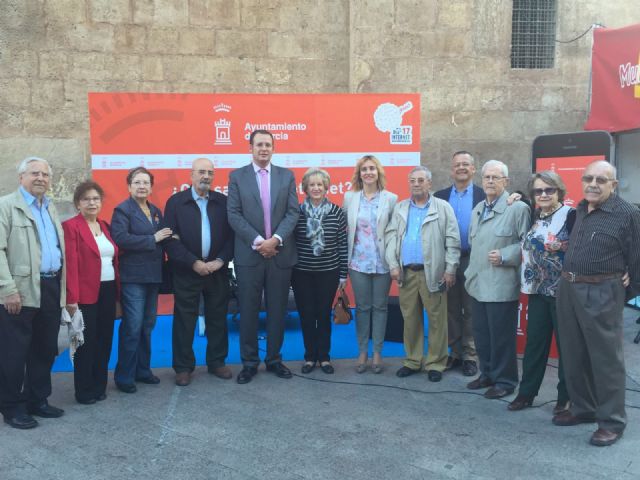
x=454, y=52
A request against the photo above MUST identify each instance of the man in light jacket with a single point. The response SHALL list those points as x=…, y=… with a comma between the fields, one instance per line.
x=423, y=251
x=492, y=280
x=32, y=294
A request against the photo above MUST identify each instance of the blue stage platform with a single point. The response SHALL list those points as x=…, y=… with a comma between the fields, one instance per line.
x=343, y=344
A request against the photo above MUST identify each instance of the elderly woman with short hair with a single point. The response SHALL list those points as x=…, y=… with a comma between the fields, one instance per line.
x=543, y=252
x=492, y=280
x=321, y=240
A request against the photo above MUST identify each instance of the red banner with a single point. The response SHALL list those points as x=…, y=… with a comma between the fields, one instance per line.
x=615, y=83
x=166, y=132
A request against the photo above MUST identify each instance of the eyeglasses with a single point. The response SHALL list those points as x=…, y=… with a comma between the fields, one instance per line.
x=491, y=178
x=599, y=180
x=547, y=191
x=417, y=181
x=91, y=200
x=39, y=174
x=141, y=183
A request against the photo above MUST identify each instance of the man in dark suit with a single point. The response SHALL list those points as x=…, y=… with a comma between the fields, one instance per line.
x=199, y=251
x=463, y=195
x=263, y=211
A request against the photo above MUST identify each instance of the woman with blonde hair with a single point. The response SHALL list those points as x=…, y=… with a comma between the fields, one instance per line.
x=368, y=208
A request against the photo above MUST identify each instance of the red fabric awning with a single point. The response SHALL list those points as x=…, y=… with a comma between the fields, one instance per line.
x=615, y=86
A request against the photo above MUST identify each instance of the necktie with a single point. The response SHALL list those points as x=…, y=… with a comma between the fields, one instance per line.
x=265, y=196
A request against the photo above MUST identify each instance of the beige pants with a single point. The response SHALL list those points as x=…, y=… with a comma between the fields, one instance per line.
x=414, y=296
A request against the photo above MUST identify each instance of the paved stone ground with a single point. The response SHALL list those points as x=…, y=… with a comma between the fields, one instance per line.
x=304, y=429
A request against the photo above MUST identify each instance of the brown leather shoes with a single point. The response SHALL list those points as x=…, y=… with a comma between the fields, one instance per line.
x=183, y=379
x=561, y=407
x=223, y=372
x=497, y=392
x=568, y=419
x=520, y=403
x=480, y=382
x=603, y=437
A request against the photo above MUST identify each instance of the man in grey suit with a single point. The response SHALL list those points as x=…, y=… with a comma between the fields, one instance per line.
x=263, y=211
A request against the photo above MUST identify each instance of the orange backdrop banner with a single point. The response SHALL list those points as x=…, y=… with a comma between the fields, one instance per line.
x=166, y=132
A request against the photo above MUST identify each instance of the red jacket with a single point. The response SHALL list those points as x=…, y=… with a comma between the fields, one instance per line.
x=83, y=260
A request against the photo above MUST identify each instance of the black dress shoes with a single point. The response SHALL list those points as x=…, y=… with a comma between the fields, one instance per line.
x=497, y=392
x=127, y=387
x=434, y=375
x=280, y=370
x=480, y=382
x=520, y=403
x=469, y=368
x=21, y=421
x=405, y=372
x=85, y=401
x=327, y=368
x=308, y=367
x=45, y=411
x=246, y=374
x=152, y=380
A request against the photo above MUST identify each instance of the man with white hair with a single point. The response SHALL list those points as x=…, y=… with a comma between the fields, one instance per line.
x=591, y=295
x=492, y=280
x=423, y=250
x=32, y=294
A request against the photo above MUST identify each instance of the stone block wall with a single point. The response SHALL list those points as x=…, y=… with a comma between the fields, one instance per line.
x=454, y=52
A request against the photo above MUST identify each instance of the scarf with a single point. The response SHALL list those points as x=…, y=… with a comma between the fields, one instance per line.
x=315, y=232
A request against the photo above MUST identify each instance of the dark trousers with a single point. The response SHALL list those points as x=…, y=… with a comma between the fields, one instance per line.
x=494, y=330
x=459, y=322
x=314, y=293
x=214, y=288
x=590, y=325
x=28, y=348
x=252, y=281
x=541, y=325
x=91, y=361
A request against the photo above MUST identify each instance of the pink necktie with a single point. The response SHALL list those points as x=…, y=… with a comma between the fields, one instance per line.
x=265, y=196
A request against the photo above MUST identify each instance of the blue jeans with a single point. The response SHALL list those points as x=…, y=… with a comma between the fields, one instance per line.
x=139, y=308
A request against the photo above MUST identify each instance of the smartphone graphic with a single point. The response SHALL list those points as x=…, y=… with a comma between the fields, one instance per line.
x=568, y=154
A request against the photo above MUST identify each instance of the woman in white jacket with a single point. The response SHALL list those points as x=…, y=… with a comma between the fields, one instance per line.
x=368, y=208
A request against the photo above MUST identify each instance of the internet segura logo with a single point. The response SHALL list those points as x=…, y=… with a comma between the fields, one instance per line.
x=222, y=125
x=388, y=118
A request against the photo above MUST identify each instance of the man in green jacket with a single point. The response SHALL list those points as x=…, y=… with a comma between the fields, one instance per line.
x=32, y=294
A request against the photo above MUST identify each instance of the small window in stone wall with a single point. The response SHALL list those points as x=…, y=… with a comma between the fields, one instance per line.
x=533, y=34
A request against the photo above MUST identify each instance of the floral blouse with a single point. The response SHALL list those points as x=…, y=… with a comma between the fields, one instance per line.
x=543, y=250
x=366, y=257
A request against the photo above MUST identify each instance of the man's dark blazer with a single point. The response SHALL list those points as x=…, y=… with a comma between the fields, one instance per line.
x=140, y=256
x=182, y=216
x=478, y=194
x=246, y=216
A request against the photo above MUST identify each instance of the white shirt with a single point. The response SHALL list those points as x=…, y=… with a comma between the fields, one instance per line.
x=107, y=272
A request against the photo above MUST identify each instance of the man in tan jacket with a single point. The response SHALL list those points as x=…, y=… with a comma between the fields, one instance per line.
x=32, y=294
x=423, y=251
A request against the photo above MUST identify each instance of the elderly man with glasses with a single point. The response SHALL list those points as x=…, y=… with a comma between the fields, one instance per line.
x=492, y=280
x=603, y=246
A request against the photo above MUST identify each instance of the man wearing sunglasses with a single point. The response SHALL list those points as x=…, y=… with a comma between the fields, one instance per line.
x=591, y=296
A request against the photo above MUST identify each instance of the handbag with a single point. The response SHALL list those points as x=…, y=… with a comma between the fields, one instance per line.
x=342, y=309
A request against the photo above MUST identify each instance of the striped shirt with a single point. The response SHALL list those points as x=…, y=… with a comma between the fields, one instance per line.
x=607, y=240
x=335, y=243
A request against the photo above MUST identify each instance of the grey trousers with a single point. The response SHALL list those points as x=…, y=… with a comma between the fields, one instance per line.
x=371, y=291
x=494, y=329
x=459, y=320
x=590, y=328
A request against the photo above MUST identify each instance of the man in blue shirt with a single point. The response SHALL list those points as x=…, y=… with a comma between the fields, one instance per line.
x=32, y=293
x=422, y=250
x=463, y=195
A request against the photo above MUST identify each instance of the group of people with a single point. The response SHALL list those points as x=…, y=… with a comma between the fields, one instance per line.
x=463, y=254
